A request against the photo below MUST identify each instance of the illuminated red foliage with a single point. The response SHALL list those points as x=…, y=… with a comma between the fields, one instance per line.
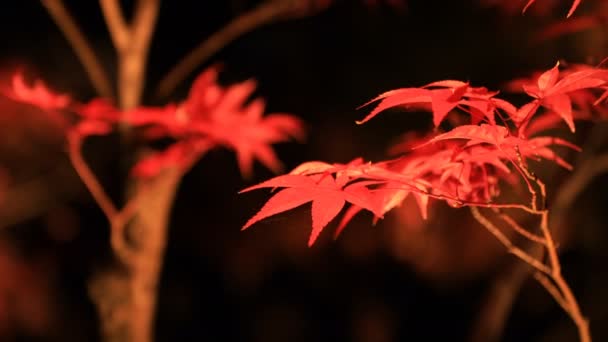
x=211, y=116
x=462, y=166
x=38, y=94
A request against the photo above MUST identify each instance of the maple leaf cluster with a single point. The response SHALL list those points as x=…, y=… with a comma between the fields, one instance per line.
x=491, y=140
x=211, y=116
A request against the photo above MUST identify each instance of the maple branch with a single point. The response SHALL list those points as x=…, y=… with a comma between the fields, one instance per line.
x=561, y=291
x=491, y=319
x=468, y=203
x=511, y=248
x=112, y=14
x=527, y=177
x=553, y=258
x=261, y=15
x=80, y=45
x=88, y=177
x=132, y=42
x=556, y=274
x=553, y=291
x=574, y=310
x=144, y=23
x=501, y=297
x=118, y=239
x=519, y=229
x=118, y=219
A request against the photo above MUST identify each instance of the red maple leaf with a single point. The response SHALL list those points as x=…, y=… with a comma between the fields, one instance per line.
x=179, y=155
x=38, y=94
x=98, y=117
x=328, y=194
x=211, y=116
x=216, y=116
x=441, y=98
x=507, y=146
x=557, y=92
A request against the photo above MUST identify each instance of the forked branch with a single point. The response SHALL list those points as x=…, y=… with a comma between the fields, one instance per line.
x=118, y=218
x=550, y=277
x=511, y=248
x=519, y=229
x=132, y=42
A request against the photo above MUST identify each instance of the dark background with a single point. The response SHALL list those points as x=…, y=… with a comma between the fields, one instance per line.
x=264, y=284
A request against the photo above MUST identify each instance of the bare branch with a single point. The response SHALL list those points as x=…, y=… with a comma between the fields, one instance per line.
x=498, y=302
x=573, y=307
x=80, y=45
x=553, y=291
x=88, y=177
x=115, y=20
x=133, y=57
x=144, y=22
x=519, y=229
x=261, y=15
x=511, y=248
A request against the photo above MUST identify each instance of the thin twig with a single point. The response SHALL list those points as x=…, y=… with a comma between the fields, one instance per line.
x=527, y=177
x=115, y=21
x=511, y=248
x=556, y=275
x=261, y=15
x=491, y=320
x=553, y=258
x=553, y=290
x=80, y=45
x=519, y=229
x=88, y=177
x=499, y=300
x=118, y=219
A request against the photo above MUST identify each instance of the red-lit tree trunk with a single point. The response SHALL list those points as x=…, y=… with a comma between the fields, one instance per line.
x=126, y=294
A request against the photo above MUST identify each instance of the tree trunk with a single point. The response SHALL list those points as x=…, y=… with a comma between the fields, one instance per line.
x=126, y=294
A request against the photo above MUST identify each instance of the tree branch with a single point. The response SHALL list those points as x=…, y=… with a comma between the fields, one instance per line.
x=80, y=45
x=574, y=310
x=519, y=229
x=261, y=15
x=553, y=291
x=132, y=42
x=88, y=177
x=511, y=248
x=115, y=20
